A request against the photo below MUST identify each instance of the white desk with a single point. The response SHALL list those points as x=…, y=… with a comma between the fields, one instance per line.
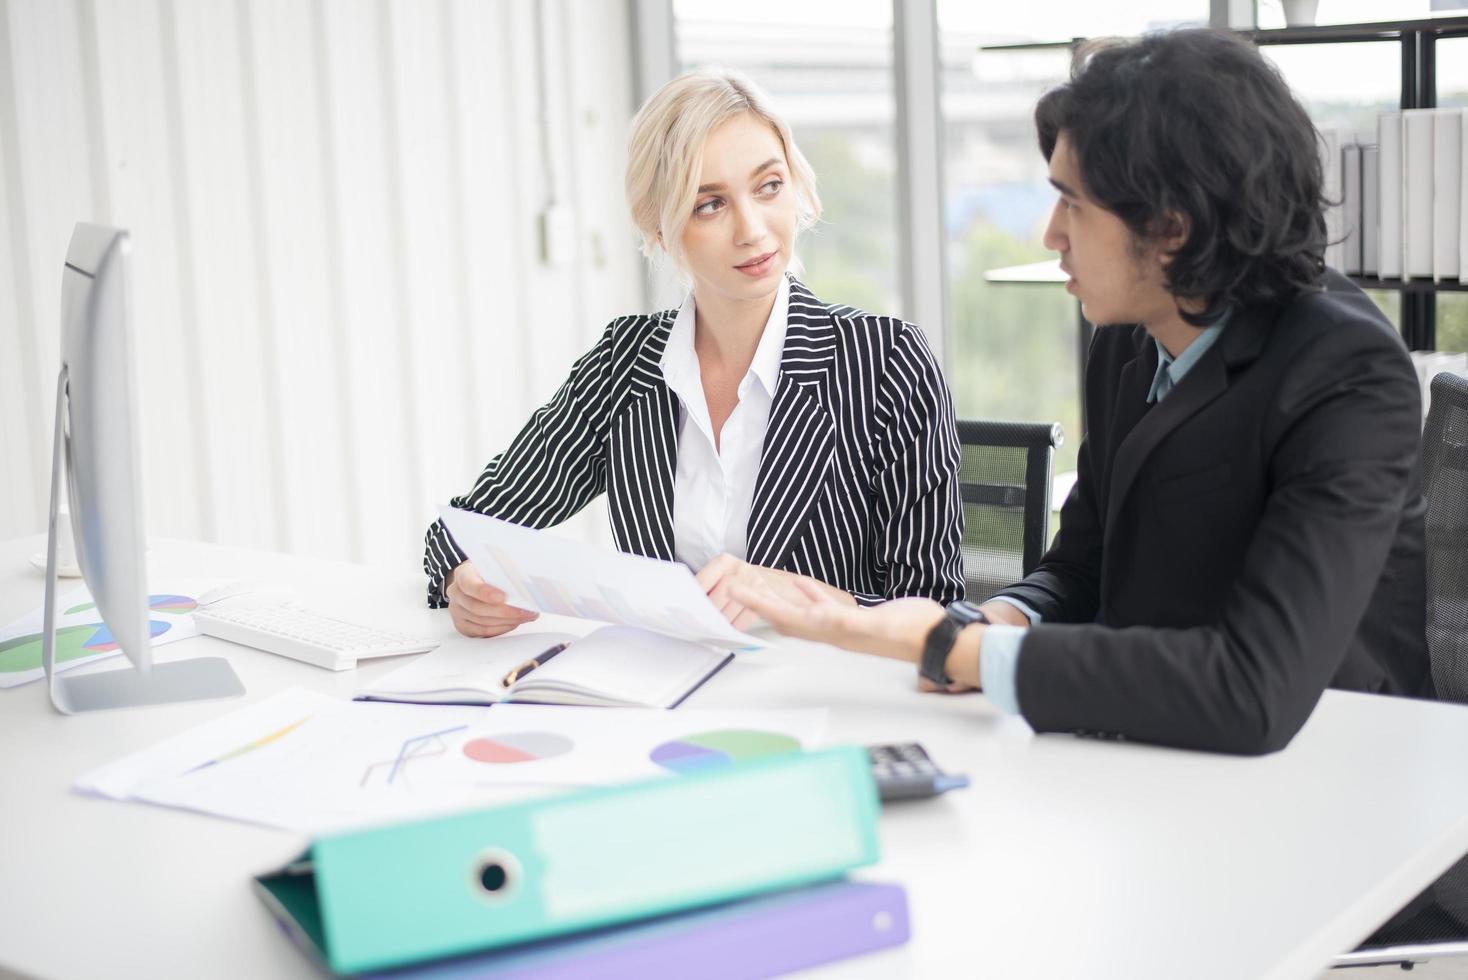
x=1066, y=858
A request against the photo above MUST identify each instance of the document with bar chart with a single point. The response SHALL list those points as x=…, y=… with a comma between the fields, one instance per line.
x=546, y=573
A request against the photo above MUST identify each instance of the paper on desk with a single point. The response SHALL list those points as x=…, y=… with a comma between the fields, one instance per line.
x=540, y=571
x=81, y=636
x=250, y=725
x=312, y=763
x=299, y=760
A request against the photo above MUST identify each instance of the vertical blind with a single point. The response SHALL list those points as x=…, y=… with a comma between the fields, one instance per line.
x=341, y=302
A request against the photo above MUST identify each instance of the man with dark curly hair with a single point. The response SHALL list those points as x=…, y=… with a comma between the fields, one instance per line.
x=1247, y=526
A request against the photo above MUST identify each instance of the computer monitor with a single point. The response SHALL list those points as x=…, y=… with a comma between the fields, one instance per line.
x=95, y=453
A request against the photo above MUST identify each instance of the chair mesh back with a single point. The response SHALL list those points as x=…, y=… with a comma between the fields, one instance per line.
x=1005, y=482
x=1445, y=480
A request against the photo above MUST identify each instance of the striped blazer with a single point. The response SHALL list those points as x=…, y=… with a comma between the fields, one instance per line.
x=858, y=479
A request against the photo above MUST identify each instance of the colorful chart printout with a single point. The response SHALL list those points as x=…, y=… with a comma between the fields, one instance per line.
x=721, y=748
x=21, y=651
x=513, y=747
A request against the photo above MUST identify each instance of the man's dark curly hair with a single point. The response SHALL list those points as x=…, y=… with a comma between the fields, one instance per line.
x=1196, y=122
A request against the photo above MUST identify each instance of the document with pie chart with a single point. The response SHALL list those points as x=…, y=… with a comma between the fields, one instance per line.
x=312, y=763
x=82, y=637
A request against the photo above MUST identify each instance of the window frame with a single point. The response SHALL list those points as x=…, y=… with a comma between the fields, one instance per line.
x=922, y=246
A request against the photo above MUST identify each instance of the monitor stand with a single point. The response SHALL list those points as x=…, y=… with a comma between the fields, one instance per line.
x=197, y=679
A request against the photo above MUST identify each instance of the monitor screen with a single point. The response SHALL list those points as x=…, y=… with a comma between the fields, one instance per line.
x=97, y=458
x=105, y=486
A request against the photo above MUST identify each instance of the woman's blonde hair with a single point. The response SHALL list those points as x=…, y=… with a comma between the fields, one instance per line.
x=665, y=153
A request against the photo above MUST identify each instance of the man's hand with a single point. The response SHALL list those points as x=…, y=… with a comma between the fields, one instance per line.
x=478, y=608
x=725, y=573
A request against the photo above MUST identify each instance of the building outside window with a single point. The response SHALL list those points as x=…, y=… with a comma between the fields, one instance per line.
x=1014, y=346
x=834, y=85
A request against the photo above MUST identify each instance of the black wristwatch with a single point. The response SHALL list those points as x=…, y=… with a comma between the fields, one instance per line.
x=942, y=637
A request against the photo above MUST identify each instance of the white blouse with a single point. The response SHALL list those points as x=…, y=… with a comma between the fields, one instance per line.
x=713, y=489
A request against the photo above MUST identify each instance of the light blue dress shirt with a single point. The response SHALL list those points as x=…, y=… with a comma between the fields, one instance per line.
x=999, y=657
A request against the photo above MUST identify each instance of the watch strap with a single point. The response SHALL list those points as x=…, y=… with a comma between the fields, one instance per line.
x=941, y=637
x=940, y=641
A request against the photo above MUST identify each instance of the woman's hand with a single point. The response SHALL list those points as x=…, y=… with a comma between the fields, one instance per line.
x=478, y=608
x=894, y=629
x=725, y=573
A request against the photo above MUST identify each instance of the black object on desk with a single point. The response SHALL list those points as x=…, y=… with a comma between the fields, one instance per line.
x=531, y=664
x=904, y=772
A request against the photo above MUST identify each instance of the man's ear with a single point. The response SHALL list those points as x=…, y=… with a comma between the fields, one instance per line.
x=1172, y=234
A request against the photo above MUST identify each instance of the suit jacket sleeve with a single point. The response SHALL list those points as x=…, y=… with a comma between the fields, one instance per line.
x=555, y=466
x=1342, y=438
x=918, y=512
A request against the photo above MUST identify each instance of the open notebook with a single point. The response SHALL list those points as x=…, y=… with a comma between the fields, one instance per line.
x=615, y=666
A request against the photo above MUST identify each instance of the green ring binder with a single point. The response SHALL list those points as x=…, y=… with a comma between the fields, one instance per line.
x=388, y=896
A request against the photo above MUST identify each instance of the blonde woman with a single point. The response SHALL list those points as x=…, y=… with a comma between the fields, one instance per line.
x=756, y=433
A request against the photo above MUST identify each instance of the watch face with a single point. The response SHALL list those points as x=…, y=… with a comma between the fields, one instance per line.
x=964, y=612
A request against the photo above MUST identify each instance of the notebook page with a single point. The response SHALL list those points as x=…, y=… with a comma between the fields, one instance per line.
x=623, y=664
x=465, y=665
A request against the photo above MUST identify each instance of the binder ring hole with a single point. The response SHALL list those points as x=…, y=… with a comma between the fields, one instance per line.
x=493, y=877
x=495, y=874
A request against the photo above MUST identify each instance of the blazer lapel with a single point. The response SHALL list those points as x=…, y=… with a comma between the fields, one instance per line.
x=642, y=456
x=1131, y=390
x=1241, y=341
x=800, y=440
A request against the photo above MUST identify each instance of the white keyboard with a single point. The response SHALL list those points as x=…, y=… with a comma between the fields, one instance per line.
x=305, y=635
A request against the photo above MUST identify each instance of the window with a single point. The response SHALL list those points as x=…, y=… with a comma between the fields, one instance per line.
x=1452, y=91
x=834, y=85
x=1014, y=346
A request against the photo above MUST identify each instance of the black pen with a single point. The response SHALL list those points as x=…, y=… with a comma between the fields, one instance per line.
x=531, y=664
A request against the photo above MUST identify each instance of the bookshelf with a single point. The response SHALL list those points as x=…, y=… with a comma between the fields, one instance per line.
x=1418, y=40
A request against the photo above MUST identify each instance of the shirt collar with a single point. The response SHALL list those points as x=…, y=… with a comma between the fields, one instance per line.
x=1170, y=370
x=766, y=363
x=679, y=362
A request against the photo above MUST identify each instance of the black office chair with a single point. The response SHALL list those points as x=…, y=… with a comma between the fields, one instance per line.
x=1438, y=925
x=1005, y=482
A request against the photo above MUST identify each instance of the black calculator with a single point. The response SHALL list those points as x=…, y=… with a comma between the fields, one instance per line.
x=904, y=772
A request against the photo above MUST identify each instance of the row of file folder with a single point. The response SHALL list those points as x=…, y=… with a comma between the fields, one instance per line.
x=732, y=872
x=1403, y=210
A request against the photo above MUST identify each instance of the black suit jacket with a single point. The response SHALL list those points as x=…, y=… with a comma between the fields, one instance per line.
x=1233, y=550
x=857, y=482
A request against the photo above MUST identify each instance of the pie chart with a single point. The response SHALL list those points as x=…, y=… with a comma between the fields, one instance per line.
x=24, y=652
x=721, y=748
x=175, y=604
x=514, y=747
